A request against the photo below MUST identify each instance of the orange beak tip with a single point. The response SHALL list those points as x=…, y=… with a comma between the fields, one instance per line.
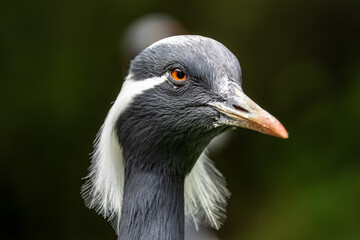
x=284, y=134
x=280, y=131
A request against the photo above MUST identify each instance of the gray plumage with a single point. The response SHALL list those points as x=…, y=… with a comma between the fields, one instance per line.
x=150, y=144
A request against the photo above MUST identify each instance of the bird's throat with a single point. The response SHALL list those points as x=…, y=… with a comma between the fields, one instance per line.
x=153, y=206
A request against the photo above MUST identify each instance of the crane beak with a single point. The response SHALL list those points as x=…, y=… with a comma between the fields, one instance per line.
x=240, y=111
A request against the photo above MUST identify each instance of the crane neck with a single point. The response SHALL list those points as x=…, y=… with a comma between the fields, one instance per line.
x=156, y=159
x=153, y=206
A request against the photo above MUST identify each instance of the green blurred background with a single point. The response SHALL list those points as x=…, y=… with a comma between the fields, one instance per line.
x=61, y=67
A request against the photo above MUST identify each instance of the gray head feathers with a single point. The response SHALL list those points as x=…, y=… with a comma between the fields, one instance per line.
x=205, y=188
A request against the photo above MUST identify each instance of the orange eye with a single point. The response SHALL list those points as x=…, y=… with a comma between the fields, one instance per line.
x=178, y=74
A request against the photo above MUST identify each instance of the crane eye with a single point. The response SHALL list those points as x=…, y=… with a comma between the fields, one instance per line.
x=178, y=74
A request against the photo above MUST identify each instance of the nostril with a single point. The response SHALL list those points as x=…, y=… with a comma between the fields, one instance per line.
x=240, y=108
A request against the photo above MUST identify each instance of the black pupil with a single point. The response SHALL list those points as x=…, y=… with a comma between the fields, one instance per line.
x=180, y=74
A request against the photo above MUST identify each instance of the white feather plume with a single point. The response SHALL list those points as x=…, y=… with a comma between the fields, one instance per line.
x=206, y=194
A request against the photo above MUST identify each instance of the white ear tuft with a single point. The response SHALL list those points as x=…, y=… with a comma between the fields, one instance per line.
x=103, y=189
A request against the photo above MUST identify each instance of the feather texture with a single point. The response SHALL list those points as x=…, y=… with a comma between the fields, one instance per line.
x=206, y=194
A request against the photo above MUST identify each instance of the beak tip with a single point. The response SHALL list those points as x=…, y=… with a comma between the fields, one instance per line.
x=281, y=132
x=284, y=135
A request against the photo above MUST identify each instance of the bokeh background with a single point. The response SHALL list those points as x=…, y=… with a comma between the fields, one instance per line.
x=62, y=63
